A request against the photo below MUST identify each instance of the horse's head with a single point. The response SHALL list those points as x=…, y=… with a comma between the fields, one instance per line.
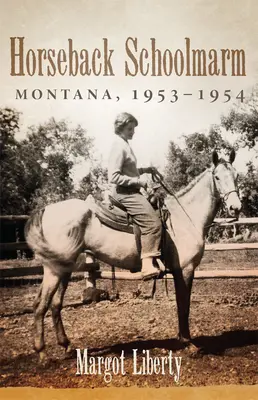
x=225, y=180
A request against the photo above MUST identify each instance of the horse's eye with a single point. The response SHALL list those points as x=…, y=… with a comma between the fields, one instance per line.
x=216, y=177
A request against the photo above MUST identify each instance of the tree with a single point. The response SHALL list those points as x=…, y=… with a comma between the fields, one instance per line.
x=176, y=168
x=95, y=183
x=249, y=191
x=13, y=200
x=243, y=119
x=186, y=163
x=38, y=170
x=49, y=153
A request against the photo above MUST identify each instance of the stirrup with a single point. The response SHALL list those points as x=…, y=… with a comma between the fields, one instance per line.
x=150, y=275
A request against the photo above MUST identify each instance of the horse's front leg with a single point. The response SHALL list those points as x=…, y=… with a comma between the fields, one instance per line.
x=183, y=285
x=47, y=290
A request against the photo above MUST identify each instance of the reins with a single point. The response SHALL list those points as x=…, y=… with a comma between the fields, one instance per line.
x=157, y=178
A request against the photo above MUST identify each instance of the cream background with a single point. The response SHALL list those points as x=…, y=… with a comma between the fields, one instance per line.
x=208, y=23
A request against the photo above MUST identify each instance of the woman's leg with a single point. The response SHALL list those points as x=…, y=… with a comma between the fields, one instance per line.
x=150, y=225
x=148, y=221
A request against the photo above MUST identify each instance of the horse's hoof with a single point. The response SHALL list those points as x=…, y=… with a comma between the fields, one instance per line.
x=94, y=295
x=114, y=297
x=192, y=350
x=42, y=356
x=186, y=341
x=70, y=352
x=43, y=359
x=137, y=293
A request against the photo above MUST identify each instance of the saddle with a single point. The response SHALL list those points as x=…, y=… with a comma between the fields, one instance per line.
x=116, y=216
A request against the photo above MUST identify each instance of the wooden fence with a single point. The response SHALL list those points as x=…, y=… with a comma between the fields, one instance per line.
x=93, y=268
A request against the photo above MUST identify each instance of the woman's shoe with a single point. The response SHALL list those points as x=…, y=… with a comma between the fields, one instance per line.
x=148, y=269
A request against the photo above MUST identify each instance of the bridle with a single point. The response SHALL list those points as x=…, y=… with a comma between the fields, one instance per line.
x=223, y=197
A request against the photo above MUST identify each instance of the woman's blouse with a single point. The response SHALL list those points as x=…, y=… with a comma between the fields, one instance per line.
x=122, y=168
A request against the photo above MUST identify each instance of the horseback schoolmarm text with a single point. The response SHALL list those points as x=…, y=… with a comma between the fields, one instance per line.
x=134, y=60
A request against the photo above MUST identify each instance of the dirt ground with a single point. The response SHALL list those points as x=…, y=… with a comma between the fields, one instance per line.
x=223, y=326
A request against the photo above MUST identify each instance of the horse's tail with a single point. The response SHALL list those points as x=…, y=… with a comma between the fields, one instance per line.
x=35, y=237
x=37, y=242
x=34, y=233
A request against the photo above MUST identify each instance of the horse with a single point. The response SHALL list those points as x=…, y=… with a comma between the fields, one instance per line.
x=60, y=232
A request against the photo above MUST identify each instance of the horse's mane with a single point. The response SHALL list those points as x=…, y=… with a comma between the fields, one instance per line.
x=191, y=184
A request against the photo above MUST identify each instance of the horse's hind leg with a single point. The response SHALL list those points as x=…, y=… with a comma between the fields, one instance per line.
x=37, y=299
x=56, y=307
x=48, y=288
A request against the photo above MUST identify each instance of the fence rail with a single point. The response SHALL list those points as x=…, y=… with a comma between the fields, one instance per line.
x=88, y=269
x=14, y=246
x=38, y=270
x=240, y=221
x=231, y=246
x=14, y=217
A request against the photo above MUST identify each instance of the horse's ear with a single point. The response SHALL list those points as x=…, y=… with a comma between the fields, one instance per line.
x=215, y=158
x=232, y=156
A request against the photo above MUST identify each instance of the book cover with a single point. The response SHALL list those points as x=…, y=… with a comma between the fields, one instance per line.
x=183, y=75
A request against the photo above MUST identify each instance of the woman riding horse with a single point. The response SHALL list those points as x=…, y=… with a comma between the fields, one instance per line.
x=125, y=177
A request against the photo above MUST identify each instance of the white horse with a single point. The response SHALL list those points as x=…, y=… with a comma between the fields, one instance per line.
x=61, y=231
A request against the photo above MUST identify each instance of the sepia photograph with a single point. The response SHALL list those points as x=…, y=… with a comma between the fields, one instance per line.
x=129, y=199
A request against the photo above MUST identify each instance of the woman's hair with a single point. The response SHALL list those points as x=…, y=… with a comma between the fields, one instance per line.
x=122, y=120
